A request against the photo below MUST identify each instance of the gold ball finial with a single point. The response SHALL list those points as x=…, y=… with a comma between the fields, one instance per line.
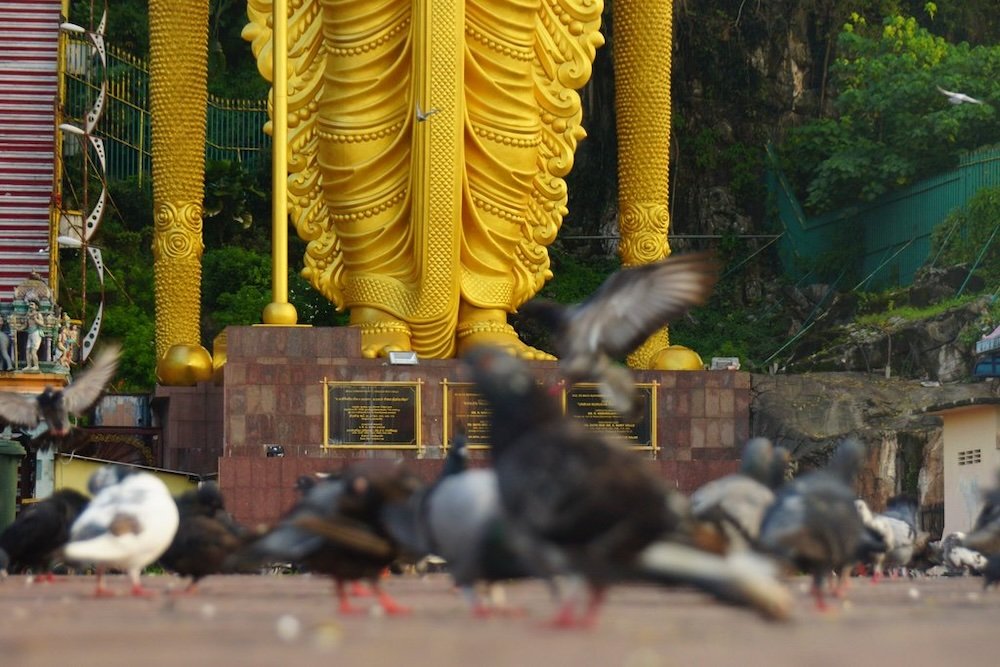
x=677, y=358
x=280, y=313
x=184, y=365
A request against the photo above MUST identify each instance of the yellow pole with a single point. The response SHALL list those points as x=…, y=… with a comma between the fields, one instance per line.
x=279, y=311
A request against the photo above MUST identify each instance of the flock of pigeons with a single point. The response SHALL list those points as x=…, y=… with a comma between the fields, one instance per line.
x=562, y=503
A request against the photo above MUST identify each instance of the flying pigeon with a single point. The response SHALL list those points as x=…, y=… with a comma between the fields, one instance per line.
x=897, y=527
x=736, y=503
x=335, y=529
x=958, y=98
x=39, y=531
x=814, y=524
x=579, y=503
x=54, y=406
x=128, y=524
x=206, y=536
x=629, y=307
x=459, y=518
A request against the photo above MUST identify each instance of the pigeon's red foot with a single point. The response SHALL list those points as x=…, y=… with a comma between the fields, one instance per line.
x=347, y=609
x=390, y=606
x=102, y=592
x=359, y=590
x=140, y=591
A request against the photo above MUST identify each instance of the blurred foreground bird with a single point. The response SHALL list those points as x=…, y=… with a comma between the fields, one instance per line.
x=736, y=503
x=39, y=531
x=897, y=527
x=624, y=311
x=579, y=503
x=206, y=536
x=459, y=518
x=335, y=529
x=958, y=98
x=985, y=535
x=55, y=406
x=814, y=524
x=128, y=525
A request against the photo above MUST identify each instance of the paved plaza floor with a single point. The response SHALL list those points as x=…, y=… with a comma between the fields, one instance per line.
x=291, y=620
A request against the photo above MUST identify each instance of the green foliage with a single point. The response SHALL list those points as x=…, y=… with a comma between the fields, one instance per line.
x=234, y=198
x=969, y=234
x=892, y=125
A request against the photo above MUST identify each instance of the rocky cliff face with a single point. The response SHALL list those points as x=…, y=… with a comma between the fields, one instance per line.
x=811, y=413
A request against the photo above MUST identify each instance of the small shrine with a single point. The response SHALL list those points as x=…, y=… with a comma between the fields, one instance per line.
x=36, y=337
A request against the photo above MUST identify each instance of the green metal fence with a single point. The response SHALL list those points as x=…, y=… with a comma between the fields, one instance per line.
x=234, y=127
x=891, y=236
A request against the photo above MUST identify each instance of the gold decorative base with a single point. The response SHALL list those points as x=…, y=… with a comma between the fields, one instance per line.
x=677, y=358
x=184, y=365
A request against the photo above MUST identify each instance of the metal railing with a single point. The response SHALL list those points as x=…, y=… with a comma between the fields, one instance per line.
x=234, y=128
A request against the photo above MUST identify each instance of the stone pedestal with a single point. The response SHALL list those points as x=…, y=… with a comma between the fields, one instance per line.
x=273, y=394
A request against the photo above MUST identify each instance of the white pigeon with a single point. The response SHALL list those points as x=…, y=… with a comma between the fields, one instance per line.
x=960, y=559
x=898, y=534
x=958, y=98
x=130, y=522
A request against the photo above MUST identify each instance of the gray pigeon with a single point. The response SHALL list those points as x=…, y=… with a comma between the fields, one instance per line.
x=736, y=503
x=459, y=518
x=958, y=558
x=579, y=503
x=55, y=406
x=813, y=523
x=985, y=535
x=624, y=311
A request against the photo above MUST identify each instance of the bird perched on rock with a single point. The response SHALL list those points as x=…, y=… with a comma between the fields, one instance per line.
x=335, y=529
x=814, y=524
x=736, y=503
x=206, y=535
x=630, y=306
x=459, y=518
x=958, y=98
x=579, y=503
x=128, y=524
x=39, y=531
x=897, y=527
x=55, y=406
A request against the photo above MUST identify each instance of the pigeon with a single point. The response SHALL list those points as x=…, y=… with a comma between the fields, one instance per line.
x=991, y=573
x=736, y=503
x=985, y=535
x=335, y=529
x=206, y=536
x=896, y=527
x=39, y=532
x=814, y=524
x=958, y=98
x=590, y=337
x=128, y=524
x=579, y=503
x=459, y=518
x=958, y=558
x=55, y=406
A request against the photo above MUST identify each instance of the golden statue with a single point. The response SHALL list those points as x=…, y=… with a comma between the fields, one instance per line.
x=428, y=144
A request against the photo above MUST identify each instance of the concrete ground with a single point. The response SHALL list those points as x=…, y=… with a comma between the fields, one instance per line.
x=292, y=620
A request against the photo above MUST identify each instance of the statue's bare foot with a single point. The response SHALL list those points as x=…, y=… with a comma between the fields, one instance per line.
x=381, y=333
x=496, y=333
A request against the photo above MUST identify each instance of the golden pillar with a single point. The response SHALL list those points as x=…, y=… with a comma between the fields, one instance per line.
x=178, y=39
x=643, y=47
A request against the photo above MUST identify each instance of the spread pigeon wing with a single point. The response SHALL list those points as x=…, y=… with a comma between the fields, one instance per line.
x=18, y=409
x=634, y=303
x=88, y=385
